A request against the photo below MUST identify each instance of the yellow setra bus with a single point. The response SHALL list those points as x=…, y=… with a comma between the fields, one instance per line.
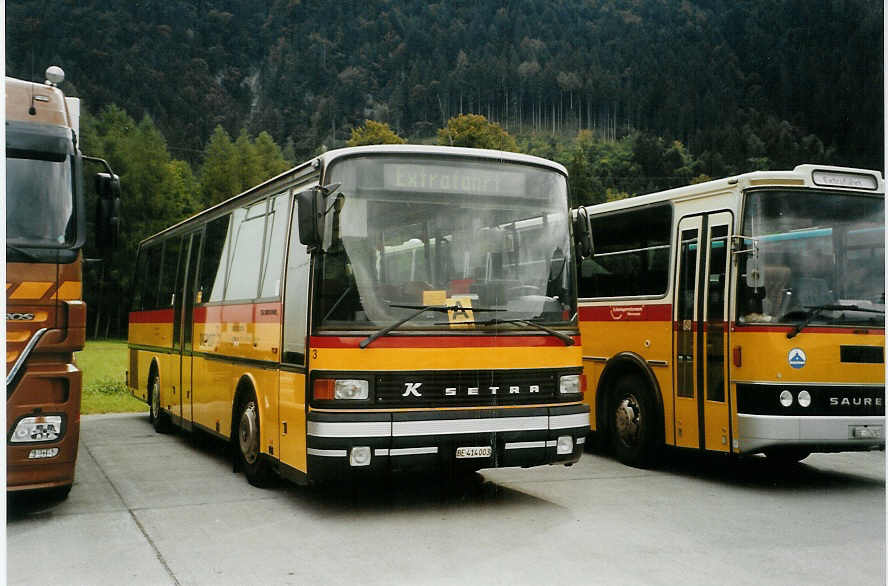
x=744, y=315
x=373, y=309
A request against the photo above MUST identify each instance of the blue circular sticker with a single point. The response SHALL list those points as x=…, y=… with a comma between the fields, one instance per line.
x=797, y=358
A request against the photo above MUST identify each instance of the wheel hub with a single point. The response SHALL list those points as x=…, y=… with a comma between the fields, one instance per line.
x=248, y=433
x=628, y=420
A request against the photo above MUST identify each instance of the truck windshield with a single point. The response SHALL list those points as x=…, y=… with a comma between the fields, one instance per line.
x=821, y=259
x=39, y=201
x=409, y=232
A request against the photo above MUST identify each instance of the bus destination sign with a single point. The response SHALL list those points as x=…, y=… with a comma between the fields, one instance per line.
x=455, y=179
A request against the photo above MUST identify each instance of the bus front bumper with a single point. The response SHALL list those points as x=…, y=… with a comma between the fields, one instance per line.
x=351, y=442
x=817, y=433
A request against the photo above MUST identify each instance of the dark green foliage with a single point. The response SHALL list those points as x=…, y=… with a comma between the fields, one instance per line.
x=309, y=71
x=630, y=96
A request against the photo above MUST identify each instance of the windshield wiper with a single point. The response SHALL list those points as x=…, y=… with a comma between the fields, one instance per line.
x=420, y=309
x=814, y=311
x=568, y=340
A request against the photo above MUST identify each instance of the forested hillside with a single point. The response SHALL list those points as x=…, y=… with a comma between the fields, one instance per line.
x=192, y=102
x=723, y=77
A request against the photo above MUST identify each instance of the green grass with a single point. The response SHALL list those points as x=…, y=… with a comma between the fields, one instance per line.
x=104, y=365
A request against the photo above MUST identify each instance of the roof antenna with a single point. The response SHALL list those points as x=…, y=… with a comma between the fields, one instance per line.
x=32, y=110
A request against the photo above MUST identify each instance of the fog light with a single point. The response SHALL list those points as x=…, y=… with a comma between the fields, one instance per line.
x=43, y=428
x=565, y=445
x=804, y=398
x=359, y=456
x=43, y=453
x=570, y=384
x=351, y=389
x=786, y=398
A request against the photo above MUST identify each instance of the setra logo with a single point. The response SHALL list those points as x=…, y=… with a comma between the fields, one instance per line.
x=19, y=317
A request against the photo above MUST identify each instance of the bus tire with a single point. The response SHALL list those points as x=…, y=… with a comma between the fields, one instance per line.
x=159, y=420
x=246, y=442
x=786, y=456
x=632, y=424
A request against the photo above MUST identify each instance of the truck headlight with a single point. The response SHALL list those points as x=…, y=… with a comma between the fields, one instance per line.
x=38, y=428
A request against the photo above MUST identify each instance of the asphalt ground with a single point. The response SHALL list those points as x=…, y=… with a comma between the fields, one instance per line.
x=168, y=509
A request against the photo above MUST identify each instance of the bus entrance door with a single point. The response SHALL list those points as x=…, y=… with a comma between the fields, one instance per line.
x=702, y=414
x=184, y=324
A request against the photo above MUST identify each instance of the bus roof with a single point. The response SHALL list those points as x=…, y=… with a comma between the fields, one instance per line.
x=823, y=177
x=325, y=159
x=412, y=149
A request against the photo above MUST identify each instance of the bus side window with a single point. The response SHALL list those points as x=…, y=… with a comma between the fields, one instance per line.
x=274, y=249
x=214, y=261
x=246, y=255
x=146, y=285
x=296, y=299
x=169, y=271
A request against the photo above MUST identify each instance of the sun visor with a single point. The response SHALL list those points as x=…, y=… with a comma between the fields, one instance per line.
x=38, y=141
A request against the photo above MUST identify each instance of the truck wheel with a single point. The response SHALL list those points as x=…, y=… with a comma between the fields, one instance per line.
x=633, y=422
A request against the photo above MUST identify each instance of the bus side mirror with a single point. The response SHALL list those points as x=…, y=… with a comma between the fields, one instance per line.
x=309, y=210
x=583, y=234
x=107, y=210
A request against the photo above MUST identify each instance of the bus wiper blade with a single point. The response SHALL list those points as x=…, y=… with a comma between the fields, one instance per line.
x=815, y=310
x=568, y=340
x=420, y=309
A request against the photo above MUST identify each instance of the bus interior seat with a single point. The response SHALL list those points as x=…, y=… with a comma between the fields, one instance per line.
x=776, y=288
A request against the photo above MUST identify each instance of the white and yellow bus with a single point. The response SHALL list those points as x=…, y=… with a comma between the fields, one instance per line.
x=743, y=315
x=374, y=308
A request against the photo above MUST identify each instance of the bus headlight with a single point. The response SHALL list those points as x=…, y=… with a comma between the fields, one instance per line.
x=786, y=398
x=354, y=389
x=570, y=384
x=328, y=389
x=804, y=398
x=40, y=428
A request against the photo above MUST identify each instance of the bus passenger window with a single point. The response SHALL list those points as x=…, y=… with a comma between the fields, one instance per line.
x=214, y=261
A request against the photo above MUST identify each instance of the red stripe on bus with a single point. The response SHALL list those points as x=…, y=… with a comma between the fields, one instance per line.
x=440, y=341
x=155, y=316
x=640, y=312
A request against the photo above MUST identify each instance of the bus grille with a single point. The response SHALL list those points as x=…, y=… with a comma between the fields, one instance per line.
x=468, y=388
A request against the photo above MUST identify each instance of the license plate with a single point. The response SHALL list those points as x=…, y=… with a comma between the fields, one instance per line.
x=474, y=452
x=866, y=431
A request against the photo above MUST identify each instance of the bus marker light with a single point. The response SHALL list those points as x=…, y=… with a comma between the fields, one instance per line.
x=738, y=356
x=323, y=389
x=804, y=398
x=786, y=398
x=565, y=445
x=360, y=456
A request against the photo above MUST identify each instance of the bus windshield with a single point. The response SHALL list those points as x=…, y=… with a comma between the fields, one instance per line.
x=39, y=201
x=821, y=259
x=412, y=232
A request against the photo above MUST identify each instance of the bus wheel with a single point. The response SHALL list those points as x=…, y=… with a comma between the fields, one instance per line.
x=633, y=422
x=784, y=456
x=159, y=419
x=247, y=443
